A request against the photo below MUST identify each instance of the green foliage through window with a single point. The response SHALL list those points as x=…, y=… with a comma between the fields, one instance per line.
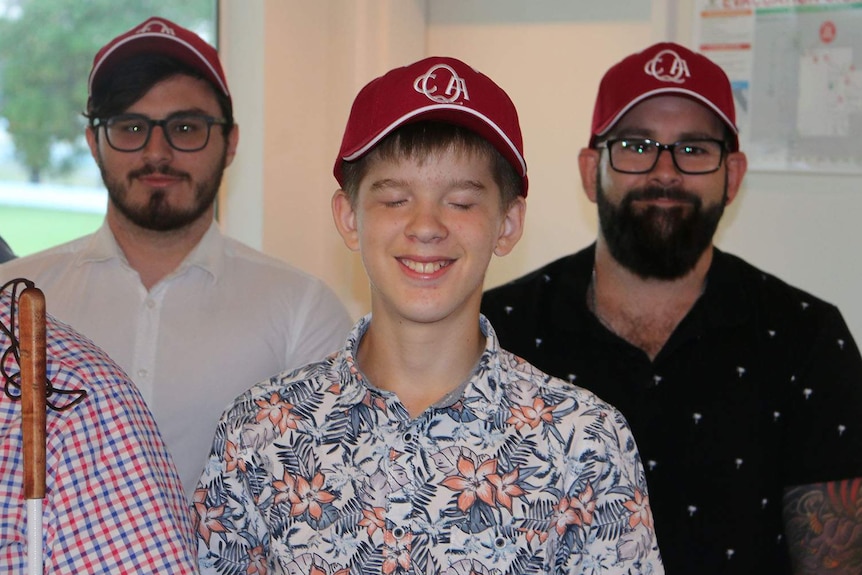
x=46, y=51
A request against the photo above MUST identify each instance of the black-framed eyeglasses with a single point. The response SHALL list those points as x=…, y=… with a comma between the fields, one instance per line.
x=640, y=155
x=184, y=132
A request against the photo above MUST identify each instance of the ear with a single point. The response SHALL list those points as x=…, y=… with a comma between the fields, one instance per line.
x=737, y=164
x=232, y=142
x=588, y=163
x=345, y=220
x=512, y=227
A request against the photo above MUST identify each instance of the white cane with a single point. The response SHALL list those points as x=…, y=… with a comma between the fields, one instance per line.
x=32, y=344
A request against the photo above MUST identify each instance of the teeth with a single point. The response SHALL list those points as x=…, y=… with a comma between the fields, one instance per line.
x=424, y=268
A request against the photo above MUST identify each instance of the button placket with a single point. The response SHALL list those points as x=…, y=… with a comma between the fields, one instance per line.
x=401, y=504
x=146, y=336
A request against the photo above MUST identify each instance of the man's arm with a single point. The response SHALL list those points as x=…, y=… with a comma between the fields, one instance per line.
x=6, y=252
x=116, y=500
x=230, y=532
x=823, y=526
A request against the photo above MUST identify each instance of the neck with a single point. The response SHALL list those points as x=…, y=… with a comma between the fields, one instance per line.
x=643, y=311
x=155, y=254
x=421, y=363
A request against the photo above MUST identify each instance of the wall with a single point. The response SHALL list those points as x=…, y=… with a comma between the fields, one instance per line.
x=310, y=58
x=294, y=67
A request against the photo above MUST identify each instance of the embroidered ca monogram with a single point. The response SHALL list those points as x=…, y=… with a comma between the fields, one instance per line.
x=428, y=84
x=677, y=72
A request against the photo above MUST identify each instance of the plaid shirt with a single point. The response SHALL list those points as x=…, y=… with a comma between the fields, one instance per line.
x=114, y=502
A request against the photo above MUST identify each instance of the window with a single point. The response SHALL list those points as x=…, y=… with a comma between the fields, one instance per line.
x=50, y=187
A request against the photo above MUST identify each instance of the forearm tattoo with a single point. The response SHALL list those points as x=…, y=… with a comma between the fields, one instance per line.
x=823, y=526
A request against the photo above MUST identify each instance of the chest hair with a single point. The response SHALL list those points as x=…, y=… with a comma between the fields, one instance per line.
x=648, y=332
x=647, y=327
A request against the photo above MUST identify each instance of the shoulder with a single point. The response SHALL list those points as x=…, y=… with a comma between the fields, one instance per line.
x=554, y=288
x=243, y=254
x=284, y=390
x=793, y=325
x=522, y=374
x=765, y=292
x=93, y=390
x=258, y=266
x=45, y=262
x=549, y=277
x=285, y=290
x=541, y=303
x=573, y=418
x=79, y=361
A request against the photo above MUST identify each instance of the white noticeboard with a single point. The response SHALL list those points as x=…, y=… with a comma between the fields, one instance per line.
x=796, y=71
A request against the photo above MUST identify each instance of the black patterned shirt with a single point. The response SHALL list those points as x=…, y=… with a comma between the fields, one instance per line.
x=759, y=388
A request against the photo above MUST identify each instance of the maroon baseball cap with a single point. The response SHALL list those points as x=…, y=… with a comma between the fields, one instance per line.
x=662, y=69
x=436, y=88
x=160, y=36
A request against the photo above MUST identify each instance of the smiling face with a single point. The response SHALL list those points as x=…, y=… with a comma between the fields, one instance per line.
x=159, y=188
x=426, y=229
x=660, y=223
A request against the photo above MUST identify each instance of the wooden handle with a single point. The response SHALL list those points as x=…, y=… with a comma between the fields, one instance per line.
x=31, y=337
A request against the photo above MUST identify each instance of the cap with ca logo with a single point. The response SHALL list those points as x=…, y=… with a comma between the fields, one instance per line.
x=663, y=68
x=436, y=88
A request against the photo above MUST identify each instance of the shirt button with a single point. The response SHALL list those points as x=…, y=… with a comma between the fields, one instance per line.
x=143, y=373
x=398, y=532
x=407, y=437
x=150, y=304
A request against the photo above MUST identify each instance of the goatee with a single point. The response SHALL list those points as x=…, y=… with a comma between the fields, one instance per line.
x=157, y=214
x=658, y=242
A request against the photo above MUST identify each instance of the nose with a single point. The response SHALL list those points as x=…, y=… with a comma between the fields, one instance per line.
x=665, y=170
x=158, y=150
x=426, y=223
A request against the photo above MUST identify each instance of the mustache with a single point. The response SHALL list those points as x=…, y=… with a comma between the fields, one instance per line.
x=659, y=193
x=162, y=170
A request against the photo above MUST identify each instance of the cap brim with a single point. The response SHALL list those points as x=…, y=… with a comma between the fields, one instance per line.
x=606, y=127
x=455, y=114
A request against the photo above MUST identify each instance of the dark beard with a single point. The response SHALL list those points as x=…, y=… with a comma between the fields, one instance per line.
x=656, y=242
x=157, y=215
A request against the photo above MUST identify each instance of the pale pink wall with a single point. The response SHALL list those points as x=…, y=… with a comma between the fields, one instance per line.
x=295, y=66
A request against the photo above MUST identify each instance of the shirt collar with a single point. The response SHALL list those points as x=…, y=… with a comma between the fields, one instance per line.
x=101, y=246
x=208, y=255
x=724, y=301
x=482, y=390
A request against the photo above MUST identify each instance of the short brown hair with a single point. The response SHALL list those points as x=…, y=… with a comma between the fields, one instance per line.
x=422, y=139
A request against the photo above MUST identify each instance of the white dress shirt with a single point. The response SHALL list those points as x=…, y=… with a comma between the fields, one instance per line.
x=225, y=319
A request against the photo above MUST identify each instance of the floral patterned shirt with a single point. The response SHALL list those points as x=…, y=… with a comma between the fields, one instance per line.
x=319, y=472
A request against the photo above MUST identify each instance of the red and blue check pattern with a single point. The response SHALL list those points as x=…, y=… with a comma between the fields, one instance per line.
x=114, y=503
